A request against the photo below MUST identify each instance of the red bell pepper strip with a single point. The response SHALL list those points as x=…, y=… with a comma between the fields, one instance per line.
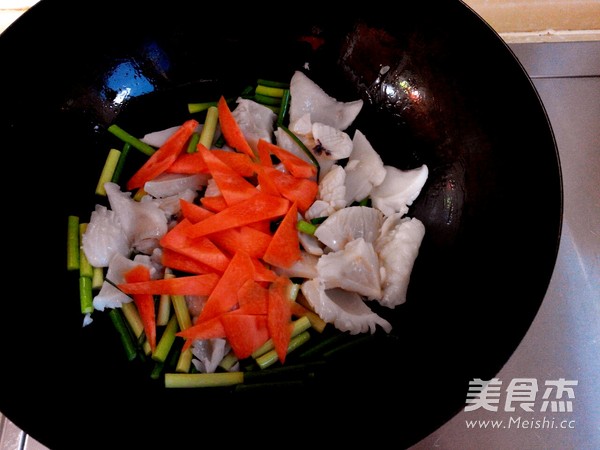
x=240, y=162
x=280, y=315
x=179, y=238
x=178, y=261
x=224, y=298
x=257, y=208
x=253, y=298
x=284, y=248
x=188, y=163
x=245, y=332
x=188, y=285
x=208, y=329
x=297, y=166
x=193, y=212
x=162, y=158
x=244, y=238
x=214, y=203
x=231, y=130
x=144, y=303
x=231, y=184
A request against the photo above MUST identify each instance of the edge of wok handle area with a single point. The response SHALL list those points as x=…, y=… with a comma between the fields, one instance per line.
x=11, y=10
x=13, y=438
x=519, y=21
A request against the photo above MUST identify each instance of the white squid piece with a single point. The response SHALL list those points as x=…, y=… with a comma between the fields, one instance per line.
x=111, y=297
x=144, y=223
x=347, y=311
x=310, y=244
x=159, y=137
x=304, y=134
x=171, y=205
x=364, y=169
x=329, y=142
x=284, y=140
x=399, y=189
x=348, y=224
x=208, y=353
x=308, y=97
x=170, y=184
x=331, y=195
x=354, y=269
x=397, y=246
x=305, y=267
x=104, y=237
x=256, y=121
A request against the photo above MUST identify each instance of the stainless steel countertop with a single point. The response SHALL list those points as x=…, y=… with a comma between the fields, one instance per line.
x=564, y=339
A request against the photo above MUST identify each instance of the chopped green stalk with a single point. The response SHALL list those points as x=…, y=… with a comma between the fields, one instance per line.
x=85, y=295
x=247, y=92
x=294, y=290
x=170, y=362
x=73, y=249
x=121, y=163
x=85, y=268
x=133, y=318
x=166, y=341
x=297, y=140
x=108, y=170
x=268, y=91
x=157, y=370
x=135, y=322
x=228, y=361
x=271, y=357
x=184, y=320
x=284, y=106
x=273, y=108
x=267, y=100
x=116, y=317
x=306, y=227
x=139, y=194
x=97, y=278
x=194, y=108
x=194, y=139
x=185, y=361
x=174, y=354
x=220, y=142
x=132, y=140
x=316, y=322
x=197, y=380
x=209, y=128
x=273, y=83
x=300, y=325
x=181, y=311
x=163, y=312
x=164, y=304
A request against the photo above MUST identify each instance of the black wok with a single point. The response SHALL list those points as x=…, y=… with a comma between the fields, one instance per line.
x=454, y=97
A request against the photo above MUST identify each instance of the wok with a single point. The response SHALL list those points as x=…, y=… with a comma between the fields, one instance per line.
x=454, y=97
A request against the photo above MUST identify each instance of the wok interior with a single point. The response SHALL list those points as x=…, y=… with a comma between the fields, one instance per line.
x=451, y=97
